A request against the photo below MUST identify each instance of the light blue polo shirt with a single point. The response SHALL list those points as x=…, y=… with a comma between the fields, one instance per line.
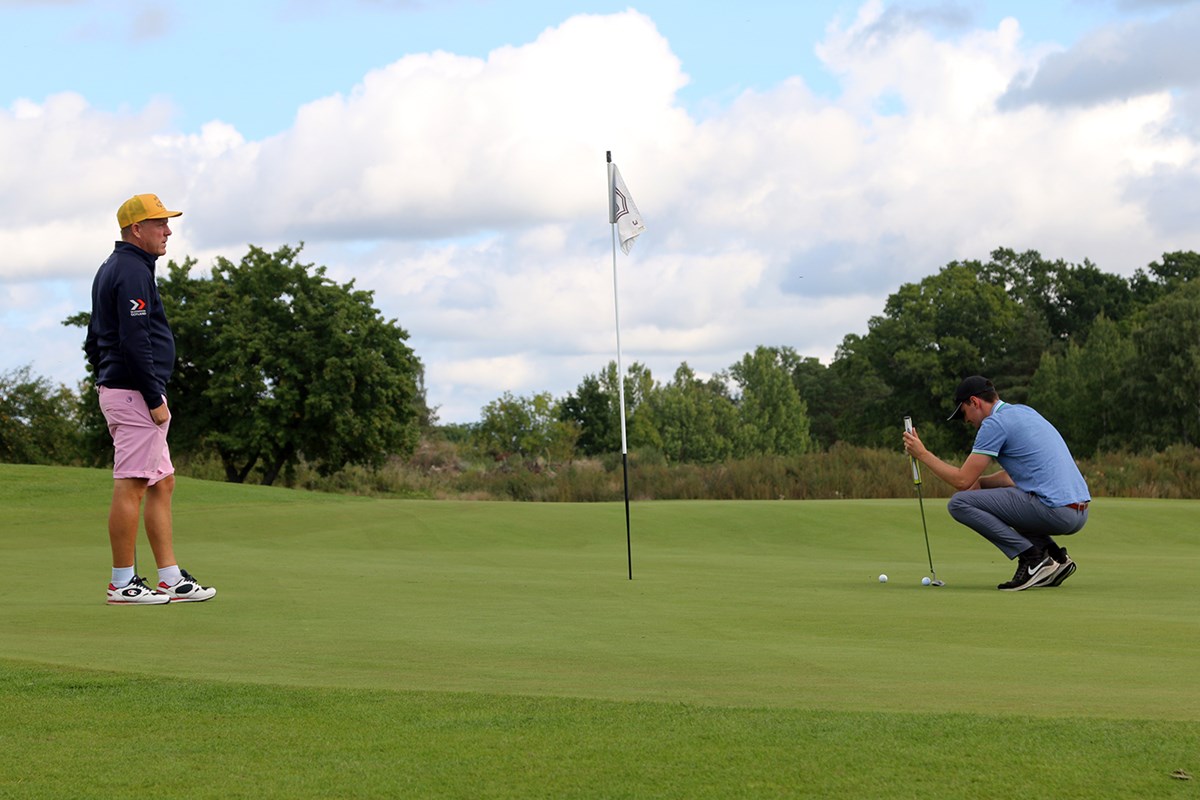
x=1033, y=454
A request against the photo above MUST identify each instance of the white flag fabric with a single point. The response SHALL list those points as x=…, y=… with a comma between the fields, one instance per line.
x=625, y=213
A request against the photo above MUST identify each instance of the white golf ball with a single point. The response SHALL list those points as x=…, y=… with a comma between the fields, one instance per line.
x=925, y=581
x=883, y=578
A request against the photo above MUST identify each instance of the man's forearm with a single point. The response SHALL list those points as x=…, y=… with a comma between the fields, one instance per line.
x=946, y=472
x=997, y=480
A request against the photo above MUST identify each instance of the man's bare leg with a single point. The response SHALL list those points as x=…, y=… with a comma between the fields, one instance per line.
x=158, y=521
x=123, y=518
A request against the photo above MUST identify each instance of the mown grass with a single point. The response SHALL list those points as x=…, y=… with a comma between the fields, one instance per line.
x=380, y=648
x=221, y=740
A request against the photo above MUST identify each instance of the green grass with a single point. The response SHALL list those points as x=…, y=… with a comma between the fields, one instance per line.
x=375, y=648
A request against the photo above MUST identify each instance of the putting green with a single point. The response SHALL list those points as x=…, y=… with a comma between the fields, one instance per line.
x=733, y=604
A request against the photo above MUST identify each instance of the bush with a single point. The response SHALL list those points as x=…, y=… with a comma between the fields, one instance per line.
x=39, y=421
x=438, y=469
x=1172, y=473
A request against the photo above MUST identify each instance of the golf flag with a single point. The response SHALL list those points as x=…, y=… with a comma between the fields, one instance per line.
x=624, y=212
x=626, y=223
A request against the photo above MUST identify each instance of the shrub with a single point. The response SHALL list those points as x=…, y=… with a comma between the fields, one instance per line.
x=439, y=469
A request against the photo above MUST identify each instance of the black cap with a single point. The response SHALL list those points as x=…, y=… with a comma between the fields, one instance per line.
x=970, y=387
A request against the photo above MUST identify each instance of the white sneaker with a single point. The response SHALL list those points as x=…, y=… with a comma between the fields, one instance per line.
x=188, y=590
x=137, y=593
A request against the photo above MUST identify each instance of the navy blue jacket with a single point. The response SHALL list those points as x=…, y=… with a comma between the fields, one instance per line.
x=129, y=342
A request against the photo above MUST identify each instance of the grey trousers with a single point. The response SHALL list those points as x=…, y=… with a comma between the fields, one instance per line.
x=1014, y=520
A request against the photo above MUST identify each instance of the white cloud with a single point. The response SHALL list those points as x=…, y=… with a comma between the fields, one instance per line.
x=439, y=145
x=469, y=194
x=1116, y=62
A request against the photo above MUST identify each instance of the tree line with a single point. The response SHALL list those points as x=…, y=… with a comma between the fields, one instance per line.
x=1114, y=362
x=279, y=365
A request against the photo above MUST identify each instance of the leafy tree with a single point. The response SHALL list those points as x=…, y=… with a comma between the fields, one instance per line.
x=866, y=412
x=1083, y=391
x=277, y=362
x=1167, y=364
x=1026, y=277
x=456, y=432
x=1161, y=277
x=1067, y=298
x=94, y=439
x=593, y=410
x=1015, y=368
x=813, y=382
x=530, y=428
x=934, y=333
x=640, y=389
x=772, y=417
x=39, y=422
x=1086, y=294
x=696, y=419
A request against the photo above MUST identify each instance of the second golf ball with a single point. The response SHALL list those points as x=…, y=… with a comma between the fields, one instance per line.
x=925, y=581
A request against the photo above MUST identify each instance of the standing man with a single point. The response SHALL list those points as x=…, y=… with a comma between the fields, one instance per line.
x=1039, y=493
x=130, y=346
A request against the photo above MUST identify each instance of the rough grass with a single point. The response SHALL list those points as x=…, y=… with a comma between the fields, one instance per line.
x=441, y=470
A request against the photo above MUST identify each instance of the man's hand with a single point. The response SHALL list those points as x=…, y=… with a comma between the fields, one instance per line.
x=913, y=444
x=161, y=414
x=961, y=478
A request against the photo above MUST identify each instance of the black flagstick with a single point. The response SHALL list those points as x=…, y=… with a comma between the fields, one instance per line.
x=628, y=543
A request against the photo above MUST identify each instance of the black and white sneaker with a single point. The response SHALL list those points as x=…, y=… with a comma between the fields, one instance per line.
x=188, y=590
x=136, y=593
x=1066, y=568
x=1031, y=572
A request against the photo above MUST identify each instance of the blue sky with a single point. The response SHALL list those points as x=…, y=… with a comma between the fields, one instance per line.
x=795, y=162
x=253, y=64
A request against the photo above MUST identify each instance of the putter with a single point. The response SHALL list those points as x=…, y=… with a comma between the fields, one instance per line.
x=916, y=474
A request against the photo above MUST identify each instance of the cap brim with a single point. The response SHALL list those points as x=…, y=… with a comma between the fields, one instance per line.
x=957, y=413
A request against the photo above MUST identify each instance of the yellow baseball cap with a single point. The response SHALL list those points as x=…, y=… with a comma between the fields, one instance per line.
x=141, y=207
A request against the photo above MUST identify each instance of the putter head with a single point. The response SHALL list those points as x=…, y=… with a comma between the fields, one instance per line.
x=936, y=582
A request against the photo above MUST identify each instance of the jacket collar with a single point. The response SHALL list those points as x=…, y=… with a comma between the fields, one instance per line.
x=132, y=249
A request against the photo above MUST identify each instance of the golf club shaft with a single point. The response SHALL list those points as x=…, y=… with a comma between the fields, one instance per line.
x=916, y=475
x=925, y=528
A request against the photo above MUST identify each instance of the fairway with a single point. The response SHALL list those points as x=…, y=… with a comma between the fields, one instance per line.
x=744, y=620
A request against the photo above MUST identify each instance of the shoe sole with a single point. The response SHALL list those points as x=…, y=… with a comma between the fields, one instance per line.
x=1067, y=571
x=138, y=602
x=1049, y=578
x=1036, y=580
x=190, y=598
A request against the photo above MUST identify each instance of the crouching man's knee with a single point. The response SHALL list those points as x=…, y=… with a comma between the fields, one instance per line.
x=959, y=507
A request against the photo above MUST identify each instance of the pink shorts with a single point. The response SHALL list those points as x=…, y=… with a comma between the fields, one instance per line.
x=140, y=446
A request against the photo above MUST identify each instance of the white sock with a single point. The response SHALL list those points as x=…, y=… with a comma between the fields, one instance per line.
x=170, y=575
x=122, y=577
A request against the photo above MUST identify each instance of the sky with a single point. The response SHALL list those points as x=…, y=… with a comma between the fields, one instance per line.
x=794, y=163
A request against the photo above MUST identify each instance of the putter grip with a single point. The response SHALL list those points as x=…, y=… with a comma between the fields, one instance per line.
x=916, y=470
